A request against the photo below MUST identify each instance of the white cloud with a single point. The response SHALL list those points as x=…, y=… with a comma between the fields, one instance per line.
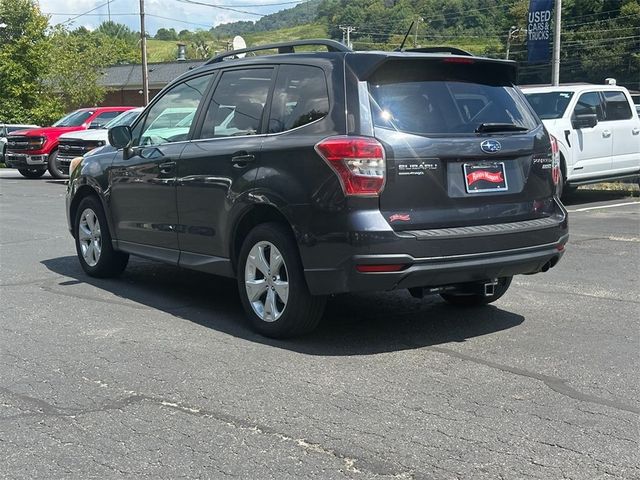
x=178, y=15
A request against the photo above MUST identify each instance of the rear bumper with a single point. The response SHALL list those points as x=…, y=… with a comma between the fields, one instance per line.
x=434, y=258
x=21, y=160
x=434, y=271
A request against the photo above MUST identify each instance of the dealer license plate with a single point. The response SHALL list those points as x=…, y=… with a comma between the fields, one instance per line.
x=484, y=177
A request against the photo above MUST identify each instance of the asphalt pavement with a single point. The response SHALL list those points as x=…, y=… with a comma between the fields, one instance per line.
x=156, y=375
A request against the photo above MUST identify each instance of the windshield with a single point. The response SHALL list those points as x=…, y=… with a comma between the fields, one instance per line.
x=549, y=105
x=431, y=107
x=125, y=118
x=74, y=119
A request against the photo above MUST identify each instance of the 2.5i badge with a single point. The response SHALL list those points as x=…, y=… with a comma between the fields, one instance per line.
x=416, y=167
x=485, y=177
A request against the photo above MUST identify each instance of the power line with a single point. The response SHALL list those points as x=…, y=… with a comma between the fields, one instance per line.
x=87, y=12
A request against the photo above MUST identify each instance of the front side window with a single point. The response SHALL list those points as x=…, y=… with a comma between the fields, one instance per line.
x=237, y=104
x=300, y=97
x=549, y=105
x=74, y=119
x=589, y=103
x=617, y=106
x=169, y=119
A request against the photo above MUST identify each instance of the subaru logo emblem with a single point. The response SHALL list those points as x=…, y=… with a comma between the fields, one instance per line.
x=490, y=146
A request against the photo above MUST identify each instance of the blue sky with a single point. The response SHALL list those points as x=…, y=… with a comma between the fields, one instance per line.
x=178, y=14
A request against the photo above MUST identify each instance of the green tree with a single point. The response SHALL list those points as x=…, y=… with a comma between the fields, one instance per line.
x=166, y=34
x=24, y=56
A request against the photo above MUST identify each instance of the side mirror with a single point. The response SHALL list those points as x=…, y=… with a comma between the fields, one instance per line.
x=585, y=120
x=121, y=136
x=95, y=125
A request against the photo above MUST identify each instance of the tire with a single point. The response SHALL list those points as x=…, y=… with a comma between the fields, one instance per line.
x=31, y=172
x=93, y=241
x=280, y=305
x=476, y=300
x=53, y=167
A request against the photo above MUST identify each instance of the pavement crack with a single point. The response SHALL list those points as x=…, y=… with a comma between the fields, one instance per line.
x=558, y=385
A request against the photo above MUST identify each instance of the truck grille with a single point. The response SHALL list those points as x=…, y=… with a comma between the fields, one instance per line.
x=19, y=143
x=72, y=148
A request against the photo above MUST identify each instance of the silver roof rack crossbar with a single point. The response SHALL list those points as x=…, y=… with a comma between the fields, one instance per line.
x=283, y=47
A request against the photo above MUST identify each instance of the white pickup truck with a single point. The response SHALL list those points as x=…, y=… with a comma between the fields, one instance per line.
x=597, y=128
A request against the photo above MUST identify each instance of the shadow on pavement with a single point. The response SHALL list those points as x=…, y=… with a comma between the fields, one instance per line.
x=585, y=196
x=354, y=324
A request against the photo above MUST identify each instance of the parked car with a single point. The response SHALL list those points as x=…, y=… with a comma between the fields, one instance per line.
x=597, y=128
x=5, y=130
x=347, y=171
x=78, y=143
x=35, y=151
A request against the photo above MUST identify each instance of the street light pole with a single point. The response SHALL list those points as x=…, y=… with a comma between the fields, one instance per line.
x=555, y=66
x=143, y=46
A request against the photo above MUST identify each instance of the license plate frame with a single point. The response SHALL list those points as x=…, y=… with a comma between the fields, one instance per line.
x=489, y=169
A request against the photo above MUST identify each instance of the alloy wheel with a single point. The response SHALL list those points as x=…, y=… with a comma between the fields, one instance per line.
x=266, y=281
x=90, y=237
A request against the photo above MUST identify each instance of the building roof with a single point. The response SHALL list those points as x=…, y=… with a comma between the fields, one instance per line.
x=129, y=77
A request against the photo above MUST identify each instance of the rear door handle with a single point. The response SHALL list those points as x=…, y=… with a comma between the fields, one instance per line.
x=167, y=167
x=606, y=133
x=635, y=131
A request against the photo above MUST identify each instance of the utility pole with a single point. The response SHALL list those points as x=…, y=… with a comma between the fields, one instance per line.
x=109, y=9
x=415, y=33
x=555, y=66
x=143, y=46
x=513, y=33
x=348, y=30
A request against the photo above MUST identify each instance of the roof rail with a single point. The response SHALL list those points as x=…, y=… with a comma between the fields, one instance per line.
x=283, y=47
x=444, y=49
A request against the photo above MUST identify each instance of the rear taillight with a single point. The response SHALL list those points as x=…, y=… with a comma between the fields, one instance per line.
x=555, y=160
x=358, y=161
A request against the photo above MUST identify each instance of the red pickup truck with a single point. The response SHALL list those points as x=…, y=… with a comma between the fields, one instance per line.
x=35, y=151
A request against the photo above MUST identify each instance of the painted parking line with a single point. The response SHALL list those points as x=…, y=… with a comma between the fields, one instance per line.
x=586, y=209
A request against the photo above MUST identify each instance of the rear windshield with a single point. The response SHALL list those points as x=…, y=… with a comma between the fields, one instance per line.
x=549, y=105
x=447, y=107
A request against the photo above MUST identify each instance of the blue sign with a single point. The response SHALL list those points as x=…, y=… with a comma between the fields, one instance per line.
x=539, y=30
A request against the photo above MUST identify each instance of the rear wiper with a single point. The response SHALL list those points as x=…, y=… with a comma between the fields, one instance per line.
x=499, y=127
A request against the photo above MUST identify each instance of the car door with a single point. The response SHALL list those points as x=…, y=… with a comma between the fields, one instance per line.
x=592, y=146
x=220, y=164
x=625, y=132
x=143, y=186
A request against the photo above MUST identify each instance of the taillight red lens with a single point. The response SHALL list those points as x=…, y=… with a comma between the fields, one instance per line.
x=358, y=161
x=555, y=160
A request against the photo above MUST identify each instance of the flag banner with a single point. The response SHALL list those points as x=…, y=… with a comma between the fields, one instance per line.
x=539, y=30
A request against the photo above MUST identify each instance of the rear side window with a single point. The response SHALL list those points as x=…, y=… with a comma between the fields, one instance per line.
x=590, y=103
x=616, y=106
x=104, y=118
x=300, y=97
x=433, y=107
x=237, y=104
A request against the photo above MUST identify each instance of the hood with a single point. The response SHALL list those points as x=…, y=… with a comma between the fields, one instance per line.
x=52, y=133
x=87, y=135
